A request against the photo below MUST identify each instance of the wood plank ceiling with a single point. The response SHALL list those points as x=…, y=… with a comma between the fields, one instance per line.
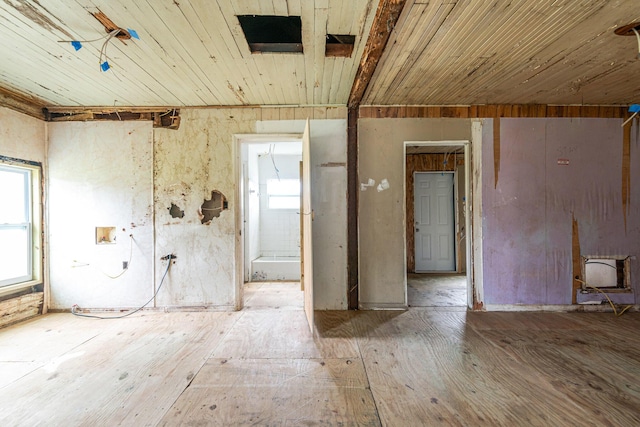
x=443, y=52
x=190, y=53
x=464, y=52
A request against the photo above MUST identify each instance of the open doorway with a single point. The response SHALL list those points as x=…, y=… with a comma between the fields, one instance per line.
x=241, y=145
x=271, y=223
x=437, y=188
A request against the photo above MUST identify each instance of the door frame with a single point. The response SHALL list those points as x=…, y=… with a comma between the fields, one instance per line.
x=469, y=211
x=239, y=140
x=454, y=214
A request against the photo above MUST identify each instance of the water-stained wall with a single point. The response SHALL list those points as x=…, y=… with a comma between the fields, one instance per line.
x=174, y=191
x=190, y=163
x=543, y=175
x=100, y=175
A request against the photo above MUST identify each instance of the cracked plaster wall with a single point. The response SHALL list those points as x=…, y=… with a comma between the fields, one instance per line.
x=100, y=175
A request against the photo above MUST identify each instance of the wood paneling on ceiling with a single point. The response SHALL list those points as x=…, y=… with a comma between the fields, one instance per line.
x=190, y=53
x=463, y=52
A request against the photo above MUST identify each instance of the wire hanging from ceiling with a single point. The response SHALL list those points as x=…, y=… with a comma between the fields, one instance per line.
x=103, y=59
x=272, y=149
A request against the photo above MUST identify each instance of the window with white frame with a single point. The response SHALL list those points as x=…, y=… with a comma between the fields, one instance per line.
x=283, y=193
x=19, y=237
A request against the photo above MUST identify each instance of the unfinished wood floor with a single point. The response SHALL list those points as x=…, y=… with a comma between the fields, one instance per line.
x=436, y=290
x=261, y=366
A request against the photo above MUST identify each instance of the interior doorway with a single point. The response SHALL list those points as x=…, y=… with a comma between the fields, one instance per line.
x=434, y=221
x=437, y=219
x=279, y=197
x=271, y=188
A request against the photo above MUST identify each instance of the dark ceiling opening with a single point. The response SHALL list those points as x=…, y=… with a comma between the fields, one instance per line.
x=282, y=34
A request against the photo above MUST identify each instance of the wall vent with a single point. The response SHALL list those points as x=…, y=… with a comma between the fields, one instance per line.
x=607, y=273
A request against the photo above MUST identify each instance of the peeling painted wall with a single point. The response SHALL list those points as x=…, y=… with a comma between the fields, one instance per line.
x=190, y=163
x=129, y=175
x=198, y=158
x=381, y=213
x=100, y=175
x=553, y=170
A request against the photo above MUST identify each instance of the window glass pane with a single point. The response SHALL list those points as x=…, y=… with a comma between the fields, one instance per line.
x=284, y=202
x=13, y=195
x=283, y=187
x=14, y=253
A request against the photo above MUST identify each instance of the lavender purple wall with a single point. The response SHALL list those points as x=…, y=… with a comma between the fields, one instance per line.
x=527, y=218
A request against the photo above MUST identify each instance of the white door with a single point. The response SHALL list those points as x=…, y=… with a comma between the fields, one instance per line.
x=434, y=221
x=307, y=218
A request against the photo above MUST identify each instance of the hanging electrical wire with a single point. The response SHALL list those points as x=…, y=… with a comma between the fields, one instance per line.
x=124, y=270
x=272, y=149
x=103, y=59
x=104, y=65
x=75, y=307
x=613, y=306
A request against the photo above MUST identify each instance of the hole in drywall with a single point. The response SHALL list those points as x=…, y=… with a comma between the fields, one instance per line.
x=213, y=207
x=275, y=34
x=627, y=30
x=606, y=273
x=175, y=211
x=339, y=45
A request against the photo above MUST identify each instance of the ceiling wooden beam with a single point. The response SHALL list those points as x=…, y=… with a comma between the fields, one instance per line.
x=491, y=111
x=162, y=117
x=21, y=103
x=383, y=24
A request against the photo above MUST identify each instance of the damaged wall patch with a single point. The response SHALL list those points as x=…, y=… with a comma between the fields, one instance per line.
x=213, y=207
x=175, y=211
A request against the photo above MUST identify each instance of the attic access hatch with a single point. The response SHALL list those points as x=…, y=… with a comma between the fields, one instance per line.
x=339, y=45
x=283, y=34
x=275, y=34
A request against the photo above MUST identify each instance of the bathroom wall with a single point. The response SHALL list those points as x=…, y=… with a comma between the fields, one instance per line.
x=279, y=228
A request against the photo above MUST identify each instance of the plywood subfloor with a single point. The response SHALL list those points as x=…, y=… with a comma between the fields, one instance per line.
x=263, y=367
x=273, y=295
x=436, y=290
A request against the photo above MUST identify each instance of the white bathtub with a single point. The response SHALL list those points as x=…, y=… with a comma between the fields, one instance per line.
x=269, y=269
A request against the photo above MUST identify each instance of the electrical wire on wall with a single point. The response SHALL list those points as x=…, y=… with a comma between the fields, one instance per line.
x=613, y=306
x=124, y=269
x=75, y=307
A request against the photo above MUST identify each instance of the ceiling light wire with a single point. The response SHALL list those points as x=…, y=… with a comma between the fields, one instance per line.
x=103, y=50
x=86, y=41
x=272, y=149
x=637, y=38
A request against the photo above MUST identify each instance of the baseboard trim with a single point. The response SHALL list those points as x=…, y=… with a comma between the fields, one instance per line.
x=555, y=308
x=167, y=309
x=382, y=306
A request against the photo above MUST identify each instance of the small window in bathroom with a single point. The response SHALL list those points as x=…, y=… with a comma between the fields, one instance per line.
x=283, y=193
